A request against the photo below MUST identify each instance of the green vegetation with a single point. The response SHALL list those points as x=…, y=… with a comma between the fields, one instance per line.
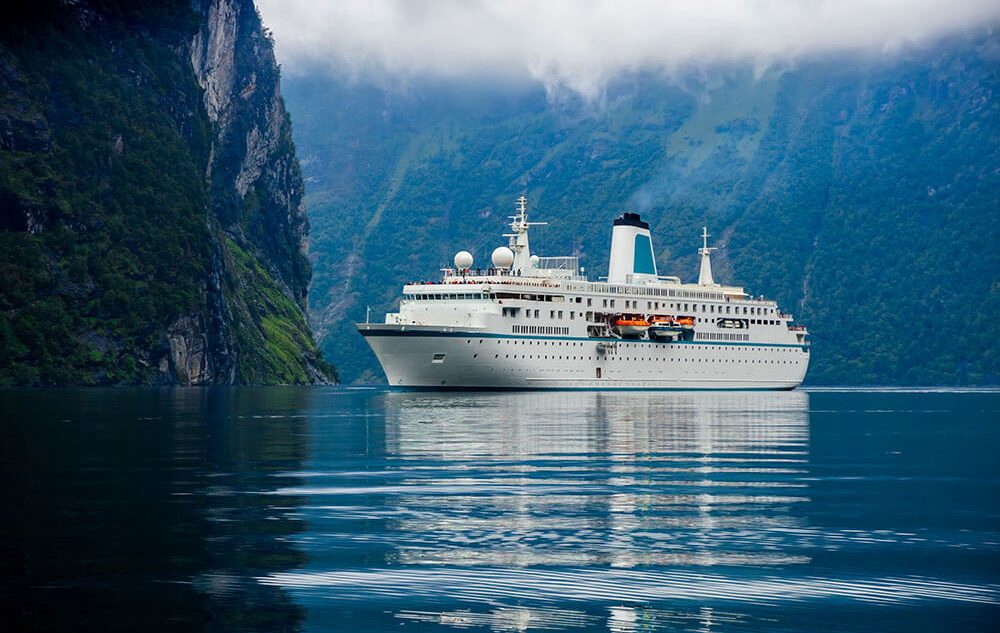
x=103, y=248
x=862, y=196
x=106, y=232
x=272, y=333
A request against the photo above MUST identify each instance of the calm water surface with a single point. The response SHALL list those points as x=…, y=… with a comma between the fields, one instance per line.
x=355, y=510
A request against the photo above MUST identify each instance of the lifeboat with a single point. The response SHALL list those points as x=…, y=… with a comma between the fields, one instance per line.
x=664, y=328
x=686, y=323
x=631, y=325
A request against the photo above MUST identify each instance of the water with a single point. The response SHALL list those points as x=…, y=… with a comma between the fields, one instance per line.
x=352, y=510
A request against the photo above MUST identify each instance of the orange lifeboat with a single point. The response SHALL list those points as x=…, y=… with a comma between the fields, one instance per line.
x=631, y=325
x=686, y=322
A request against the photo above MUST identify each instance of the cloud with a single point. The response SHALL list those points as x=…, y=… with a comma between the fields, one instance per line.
x=581, y=44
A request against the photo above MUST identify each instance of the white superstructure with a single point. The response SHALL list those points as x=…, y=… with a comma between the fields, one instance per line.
x=536, y=323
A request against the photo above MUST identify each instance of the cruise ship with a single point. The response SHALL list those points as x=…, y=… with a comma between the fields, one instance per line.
x=530, y=322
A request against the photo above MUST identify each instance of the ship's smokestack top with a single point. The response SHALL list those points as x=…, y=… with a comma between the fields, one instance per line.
x=631, y=250
x=631, y=219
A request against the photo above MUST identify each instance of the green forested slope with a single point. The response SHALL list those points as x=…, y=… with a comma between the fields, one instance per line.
x=862, y=195
x=116, y=265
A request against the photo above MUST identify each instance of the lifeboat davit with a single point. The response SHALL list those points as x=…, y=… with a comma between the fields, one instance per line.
x=630, y=325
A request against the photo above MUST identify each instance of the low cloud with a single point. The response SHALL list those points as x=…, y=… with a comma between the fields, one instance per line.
x=581, y=44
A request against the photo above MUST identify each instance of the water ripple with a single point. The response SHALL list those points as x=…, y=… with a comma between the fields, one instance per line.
x=612, y=585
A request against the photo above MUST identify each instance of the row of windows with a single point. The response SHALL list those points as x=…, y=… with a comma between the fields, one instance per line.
x=452, y=296
x=721, y=336
x=621, y=345
x=607, y=303
x=540, y=329
x=646, y=291
x=745, y=361
x=560, y=314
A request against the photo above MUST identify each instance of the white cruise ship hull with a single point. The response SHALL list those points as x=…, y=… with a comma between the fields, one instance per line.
x=432, y=357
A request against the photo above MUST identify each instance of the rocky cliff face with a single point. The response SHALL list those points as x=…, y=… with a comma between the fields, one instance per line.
x=151, y=212
x=253, y=164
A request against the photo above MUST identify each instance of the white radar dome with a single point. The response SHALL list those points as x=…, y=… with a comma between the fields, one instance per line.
x=503, y=257
x=463, y=260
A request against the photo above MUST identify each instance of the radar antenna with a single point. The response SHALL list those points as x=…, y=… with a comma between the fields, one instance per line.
x=519, y=236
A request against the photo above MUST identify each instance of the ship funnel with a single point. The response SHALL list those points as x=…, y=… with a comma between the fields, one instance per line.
x=631, y=251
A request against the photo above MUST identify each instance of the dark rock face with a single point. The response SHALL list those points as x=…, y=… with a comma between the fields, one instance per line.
x=152, y=228
x=255, y=179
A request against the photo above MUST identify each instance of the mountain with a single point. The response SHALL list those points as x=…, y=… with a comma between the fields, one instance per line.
x=152, y=229
x=862, y=194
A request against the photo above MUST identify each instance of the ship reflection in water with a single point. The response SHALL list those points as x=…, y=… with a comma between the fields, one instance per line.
x=365, y=510
x=592, y=511
x=615, y=480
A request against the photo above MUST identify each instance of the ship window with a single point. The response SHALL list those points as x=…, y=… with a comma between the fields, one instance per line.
x=612, y=303
x=605, y=303
x=560, y=314
x=536, y=314
x=589, y=302
x=571, y=314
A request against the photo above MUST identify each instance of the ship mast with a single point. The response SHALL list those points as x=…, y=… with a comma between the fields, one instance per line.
x=705, y=273
x=519, y=236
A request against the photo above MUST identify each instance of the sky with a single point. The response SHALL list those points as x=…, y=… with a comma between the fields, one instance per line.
x=580, y=45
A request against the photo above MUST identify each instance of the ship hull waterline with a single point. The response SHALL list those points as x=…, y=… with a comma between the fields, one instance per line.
x=448, y=359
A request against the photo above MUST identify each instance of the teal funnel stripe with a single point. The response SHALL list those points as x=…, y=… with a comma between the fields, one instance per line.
x=642, y=260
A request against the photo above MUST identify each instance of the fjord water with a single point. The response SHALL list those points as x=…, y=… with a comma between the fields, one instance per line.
x=363, y=510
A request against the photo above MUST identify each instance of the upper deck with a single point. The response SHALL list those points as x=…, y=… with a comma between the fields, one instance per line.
x=544, y=286
x=525, y=294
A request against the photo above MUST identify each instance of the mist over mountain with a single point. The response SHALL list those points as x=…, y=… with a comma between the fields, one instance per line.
x=584, y=47
x=862, y=194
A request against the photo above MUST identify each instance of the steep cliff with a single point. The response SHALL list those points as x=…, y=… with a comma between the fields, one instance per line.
x=152, y=229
